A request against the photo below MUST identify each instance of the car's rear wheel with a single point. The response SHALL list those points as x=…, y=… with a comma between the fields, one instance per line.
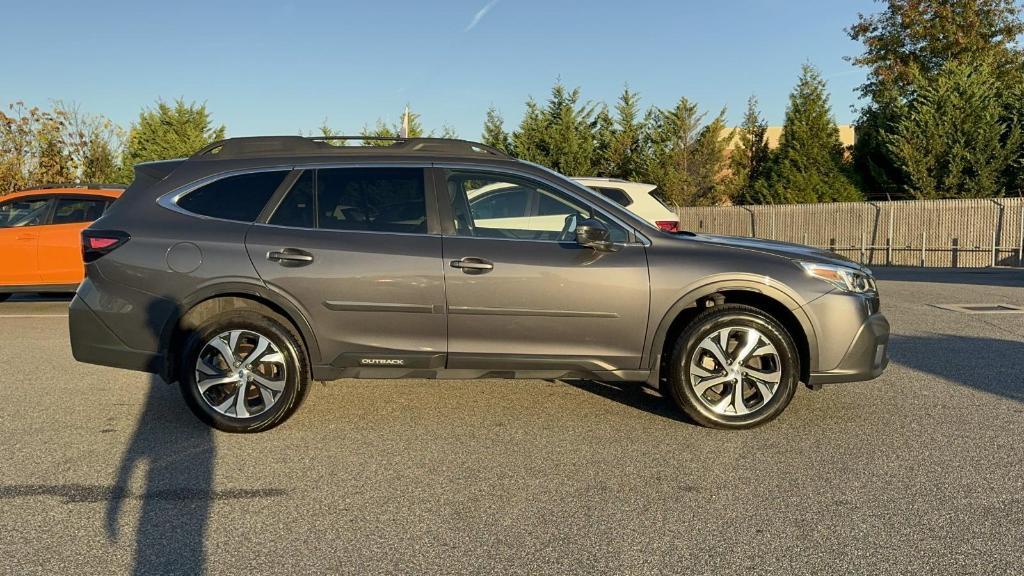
x=734, y=367
x=242, y=371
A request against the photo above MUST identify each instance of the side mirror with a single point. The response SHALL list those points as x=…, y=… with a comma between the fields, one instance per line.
x=594, y=234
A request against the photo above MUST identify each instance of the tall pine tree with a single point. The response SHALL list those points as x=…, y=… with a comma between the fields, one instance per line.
x=750, y=154
x=905, y=46
x=954, y=141
x=168, y=131
x=709, y=168
x=494, y=131
x=810, y=164
x=625, y=156
x=672, y=140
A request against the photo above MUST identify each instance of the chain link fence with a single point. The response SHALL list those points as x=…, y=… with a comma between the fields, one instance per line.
x=970, y=233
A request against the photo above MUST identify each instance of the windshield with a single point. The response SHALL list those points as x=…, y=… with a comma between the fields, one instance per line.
x=22, y=212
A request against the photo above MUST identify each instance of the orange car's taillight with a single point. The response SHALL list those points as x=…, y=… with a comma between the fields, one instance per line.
x=98, y=243
x=668, y=225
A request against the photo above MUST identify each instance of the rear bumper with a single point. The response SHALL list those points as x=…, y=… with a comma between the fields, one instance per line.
x=866, y=358
x=93, y=342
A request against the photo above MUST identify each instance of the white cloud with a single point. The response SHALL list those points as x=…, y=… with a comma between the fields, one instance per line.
x=480, y=15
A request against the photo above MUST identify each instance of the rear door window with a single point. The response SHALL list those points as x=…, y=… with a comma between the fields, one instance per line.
x=240, y=198
x=298, y=209
x=356, y=199
x=78, y=210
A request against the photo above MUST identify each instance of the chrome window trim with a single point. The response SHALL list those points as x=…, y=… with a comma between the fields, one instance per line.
x=170, y=199
x=487, y=168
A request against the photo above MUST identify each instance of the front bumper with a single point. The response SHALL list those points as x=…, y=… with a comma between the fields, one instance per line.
x=866, y=357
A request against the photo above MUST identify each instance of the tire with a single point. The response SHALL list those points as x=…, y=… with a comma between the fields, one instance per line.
x=705, y=388
x=275, y=383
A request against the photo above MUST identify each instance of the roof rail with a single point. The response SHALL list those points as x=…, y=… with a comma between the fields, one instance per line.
x=86, y=185
x=316, y=145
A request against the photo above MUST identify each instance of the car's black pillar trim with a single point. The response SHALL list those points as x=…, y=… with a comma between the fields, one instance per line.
x=278, y=196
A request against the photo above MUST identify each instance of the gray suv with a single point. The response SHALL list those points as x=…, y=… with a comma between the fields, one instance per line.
x=260, y=264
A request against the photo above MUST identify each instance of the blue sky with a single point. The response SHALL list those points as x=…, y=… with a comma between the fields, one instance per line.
x=281, y=67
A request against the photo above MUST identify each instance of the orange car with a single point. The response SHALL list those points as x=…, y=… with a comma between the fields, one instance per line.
x=40, y=236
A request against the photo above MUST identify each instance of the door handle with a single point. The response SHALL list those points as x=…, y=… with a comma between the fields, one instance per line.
x=290, y=257
x=26, y=237
x=472, y=265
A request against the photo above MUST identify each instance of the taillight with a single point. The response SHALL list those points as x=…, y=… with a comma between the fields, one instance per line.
x=668, y=225
x=98, y=243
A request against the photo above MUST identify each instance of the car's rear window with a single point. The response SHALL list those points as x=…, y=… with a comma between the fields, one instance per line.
x=240, y=198
x=614, y=194
x=662, y=199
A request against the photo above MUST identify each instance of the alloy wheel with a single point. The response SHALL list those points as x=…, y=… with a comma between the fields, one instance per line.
x=240, y=373
x=735, y=371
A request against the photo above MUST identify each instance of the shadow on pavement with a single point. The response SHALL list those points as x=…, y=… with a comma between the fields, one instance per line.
x=986, y=364
x=177, y=452
x=1011, y=277
x=634, y=395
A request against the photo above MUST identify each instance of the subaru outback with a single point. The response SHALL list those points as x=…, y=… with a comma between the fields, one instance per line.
x=258, y=265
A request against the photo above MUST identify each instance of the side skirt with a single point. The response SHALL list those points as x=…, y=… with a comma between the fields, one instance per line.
x=328, y=372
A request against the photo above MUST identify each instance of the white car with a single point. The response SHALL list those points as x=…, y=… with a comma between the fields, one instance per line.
x=505, y=205
x=644, y=200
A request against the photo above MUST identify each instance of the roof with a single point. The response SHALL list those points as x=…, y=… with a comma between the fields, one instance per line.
x=107, y=190
x=289, y=146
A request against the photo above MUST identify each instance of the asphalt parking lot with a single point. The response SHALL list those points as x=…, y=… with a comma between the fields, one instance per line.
x=918, y=472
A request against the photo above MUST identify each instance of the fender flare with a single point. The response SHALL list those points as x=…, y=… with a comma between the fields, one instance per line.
x=752, y=283
x=243, y=287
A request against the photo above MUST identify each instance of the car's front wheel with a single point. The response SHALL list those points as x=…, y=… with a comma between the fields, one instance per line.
x=242, y=371
x=734, y=367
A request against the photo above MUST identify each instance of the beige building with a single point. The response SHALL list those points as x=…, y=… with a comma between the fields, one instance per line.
x=846, y=136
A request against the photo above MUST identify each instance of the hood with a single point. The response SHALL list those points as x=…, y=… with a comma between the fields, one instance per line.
x=776, y=248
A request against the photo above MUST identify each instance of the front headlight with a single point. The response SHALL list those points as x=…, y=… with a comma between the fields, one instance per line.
x=842, y=277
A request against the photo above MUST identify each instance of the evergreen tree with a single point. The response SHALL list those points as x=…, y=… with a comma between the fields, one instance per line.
x=570, y=134
x=749, y=157
x=709, y=165
x=954, y=142
x=604, y=136
x=672, y=140
x=530, y=141
x=168, y=131
x=909, y=42
x=99, y=164
x=494, y=131
x=626, y=156
x=809, y=165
